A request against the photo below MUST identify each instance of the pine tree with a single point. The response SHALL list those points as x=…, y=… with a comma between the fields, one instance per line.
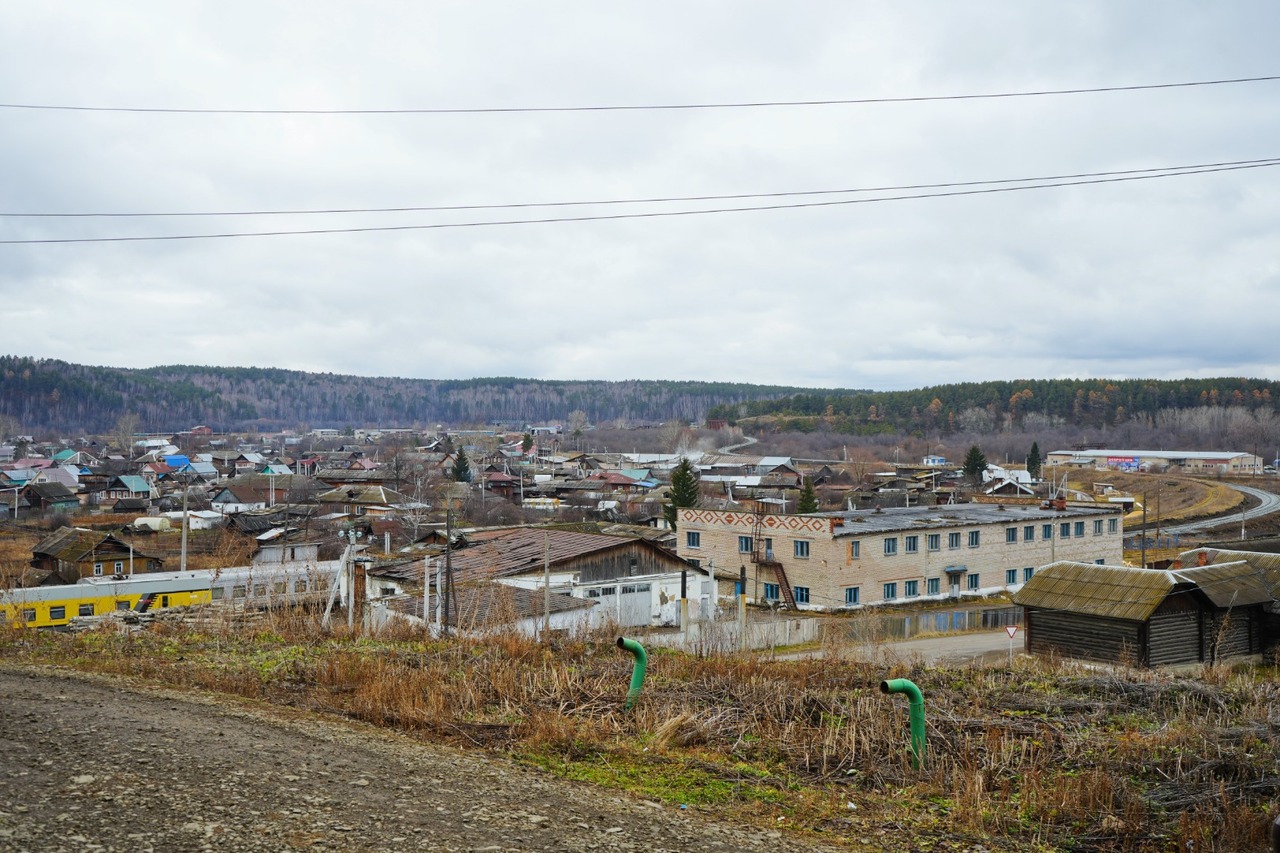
x=808, y=498
x=683, y=492
x=1034, y=461
x=461, y=468
x=974, y=464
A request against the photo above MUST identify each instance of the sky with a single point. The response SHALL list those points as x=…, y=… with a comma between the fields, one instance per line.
x=1164, y=277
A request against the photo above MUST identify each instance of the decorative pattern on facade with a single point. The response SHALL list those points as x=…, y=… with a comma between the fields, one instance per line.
x=795, y=523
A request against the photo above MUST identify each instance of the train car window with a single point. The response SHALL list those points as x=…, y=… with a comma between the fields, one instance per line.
x=57, y=613
x=86, y=609
x=239, y=591
x=217, y=592
x=279, y=587
x=122, y=604
x=259, y=590
x=29, y=615
x=164, y=601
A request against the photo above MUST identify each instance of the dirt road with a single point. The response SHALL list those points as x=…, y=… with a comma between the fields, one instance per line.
x=90, y=764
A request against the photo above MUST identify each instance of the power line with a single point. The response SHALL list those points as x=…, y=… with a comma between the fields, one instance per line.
x=643, y=215
x=1170, y=170
x=643, y=107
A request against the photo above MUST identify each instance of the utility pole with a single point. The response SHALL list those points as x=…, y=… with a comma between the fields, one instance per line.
x=546, y=586
x=448, y=564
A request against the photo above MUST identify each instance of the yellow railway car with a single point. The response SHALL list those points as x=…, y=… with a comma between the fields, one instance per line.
x=260, y=586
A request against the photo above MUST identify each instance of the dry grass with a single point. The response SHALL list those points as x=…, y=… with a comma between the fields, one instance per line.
x=1046, y=756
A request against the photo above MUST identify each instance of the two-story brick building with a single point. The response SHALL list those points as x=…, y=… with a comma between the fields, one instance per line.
x=828, y=561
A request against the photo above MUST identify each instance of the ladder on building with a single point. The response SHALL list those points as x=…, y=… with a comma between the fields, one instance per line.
x=762, y=556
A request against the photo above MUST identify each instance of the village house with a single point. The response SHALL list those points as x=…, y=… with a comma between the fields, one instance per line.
x=71, y=553
x=835, y=560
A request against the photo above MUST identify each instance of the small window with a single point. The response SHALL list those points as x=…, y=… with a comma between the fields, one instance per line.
x=744, y=544
x=890, y=591
x=1011, y=534
x=695, y=562
x=973, y=581
x=1113, y=525
x=934, y=586
x=279, y=587
x=85, y=610
x=122, y=604
x=1079, y=529
x=801, y=551
x=97, y=569
x=693, y=539
x=852, y=595
x=890, y=546
x=771, y=592
x=801, y=594
x=855, y=550
x=1100, y=562
x=1046, y=531
x=239, y=591
x=1028, y=572
x=57, y=614
x=975, y=538
x=911, y=544
x=933, y=541
x=164, y=601
x=1029, y=533
x=1010, y=576
x=216, y=593
x=119, y=566
x=259, y=590
x=609, y=590
x=953, y=540
x=1064, y=530
x=1097, y=527
x=28, y=614
x=911, y=589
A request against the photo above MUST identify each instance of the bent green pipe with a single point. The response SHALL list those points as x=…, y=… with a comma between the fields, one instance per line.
x=637, y=672
x=916, y=699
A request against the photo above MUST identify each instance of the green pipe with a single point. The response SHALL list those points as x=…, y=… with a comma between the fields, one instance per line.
x=902, y=685
x=637, y=673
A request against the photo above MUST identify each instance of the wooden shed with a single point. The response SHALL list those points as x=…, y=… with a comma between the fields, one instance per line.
x=1148, y=617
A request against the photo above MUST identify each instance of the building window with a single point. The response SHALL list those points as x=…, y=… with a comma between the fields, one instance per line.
x=801, y=593
x=1028, y=572
x=1029, y=533
x=1011, y=534
x=1064, y=530
x=801, y=551
x=1079, y=531
x=933, y=541
x=1113, y=525
x=696, y=563
x=1010, y=577
x=890, y=546
x=852, y=595
x=57, y=614
x=119, y=567
x=973, y=581
x=744, y=544
x=86, y=610
x=890, y=591
x=693, y=539
x=771, y=592
x=1046, y=531
x=975, y=538
x=1097, y=527
x=911, y=544
x=911, y=589
x=1100, y=562
x=953, y=540
x=933, y=585
x=855, y=550
x=97, y=569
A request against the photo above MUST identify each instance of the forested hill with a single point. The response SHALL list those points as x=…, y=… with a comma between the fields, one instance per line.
x=44, y=395
x=983, y=406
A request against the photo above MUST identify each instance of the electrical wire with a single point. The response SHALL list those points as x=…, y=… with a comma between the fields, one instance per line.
x=1268, y=161
x=641, y=107
x=623, y=216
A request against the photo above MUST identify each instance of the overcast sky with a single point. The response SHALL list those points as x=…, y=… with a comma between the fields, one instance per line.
x=1162, y=278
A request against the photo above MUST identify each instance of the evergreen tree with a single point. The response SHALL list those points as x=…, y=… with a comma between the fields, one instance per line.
x=808, y=498
x=461, y=468
x=1034, y=461
x=974, y=464
x=683, y=493
x=526, y=443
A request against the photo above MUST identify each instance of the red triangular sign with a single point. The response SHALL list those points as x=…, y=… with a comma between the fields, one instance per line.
x=1011, y=630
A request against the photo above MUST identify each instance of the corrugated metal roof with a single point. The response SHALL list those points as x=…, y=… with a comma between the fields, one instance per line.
x=1117, y=592
x=1233, y=584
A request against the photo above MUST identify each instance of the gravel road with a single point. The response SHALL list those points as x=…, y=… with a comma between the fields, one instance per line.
x=94, y=764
